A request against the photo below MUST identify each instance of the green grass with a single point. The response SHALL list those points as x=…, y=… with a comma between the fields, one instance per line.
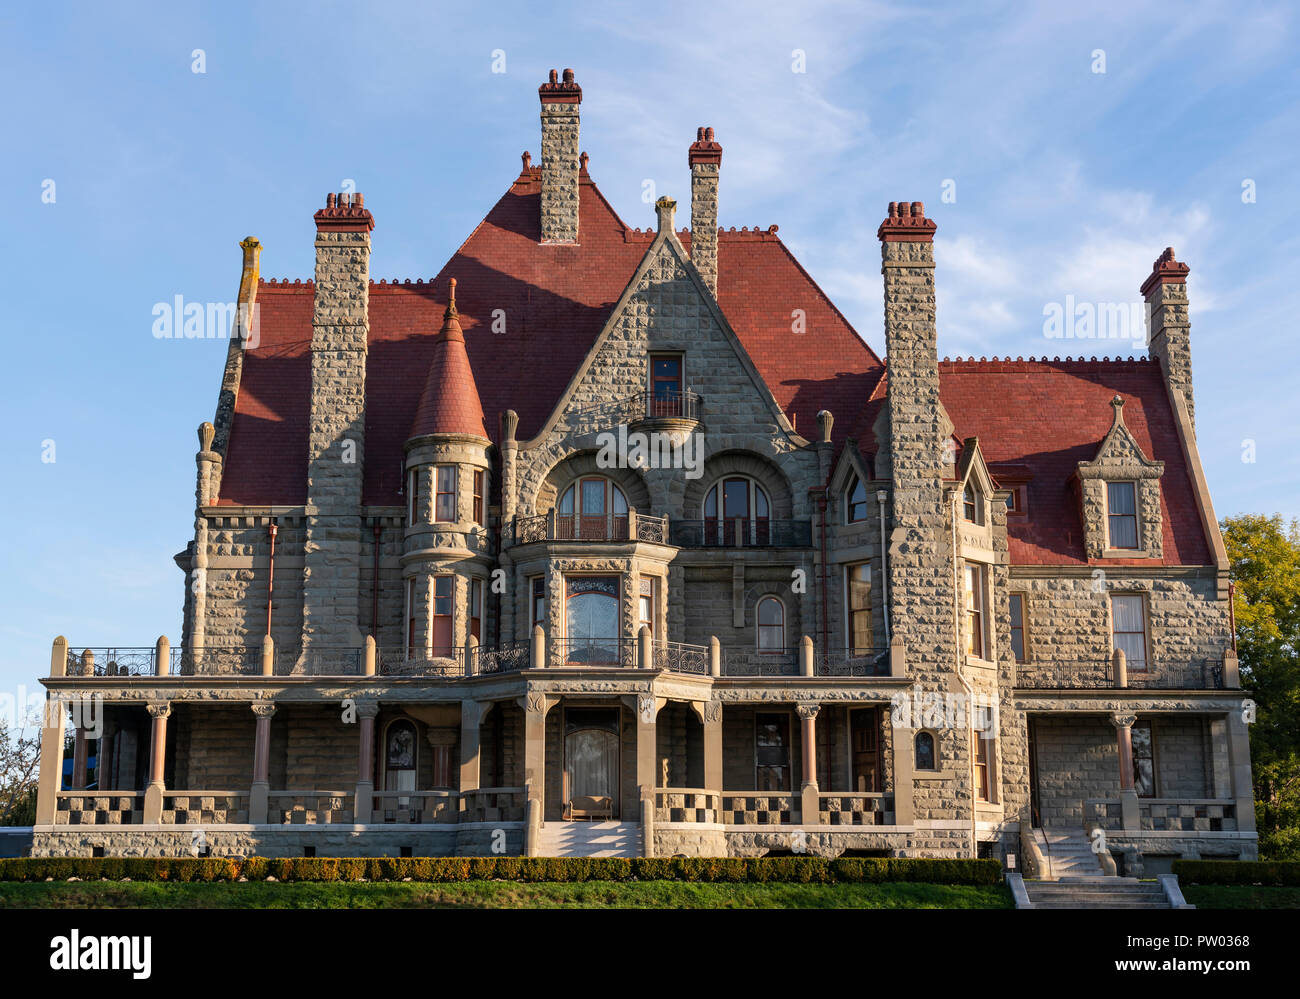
x=497, y=895
x=1236, y=897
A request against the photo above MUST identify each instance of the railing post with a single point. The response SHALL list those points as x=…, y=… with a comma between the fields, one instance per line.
x=806, y=656
x=550, y=524
x=538, y=660
x=59, y=657
x=1120, y=663
x=631, y=523
x=162, y=654
x=715, y=656
x=369, y=665
x=1231, y=672
x=897, y=656
x=471, y=657
x=533, y=822
x=268, y=655
x=87, y=663
x=644, y=649
x=648, y=822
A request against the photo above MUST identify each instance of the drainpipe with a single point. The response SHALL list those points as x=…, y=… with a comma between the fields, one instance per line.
x=881, y=496
x=826, y=591
x=1232, y=613
x=270, y=579
x=374, y=585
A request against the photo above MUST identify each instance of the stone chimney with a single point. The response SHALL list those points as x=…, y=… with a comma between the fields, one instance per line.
x=1169, y=330
x=921, y=585
x=705, y=158
x=336, y=449
x=561, y=99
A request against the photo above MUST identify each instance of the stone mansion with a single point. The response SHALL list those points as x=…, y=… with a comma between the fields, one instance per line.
x=611, y=540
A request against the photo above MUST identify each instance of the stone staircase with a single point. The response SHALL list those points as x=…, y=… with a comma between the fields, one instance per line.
x=589, y=839
x=1069, y=853
x=1097, y=893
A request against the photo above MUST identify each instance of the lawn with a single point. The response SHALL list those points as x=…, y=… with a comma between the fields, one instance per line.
x=497, y=895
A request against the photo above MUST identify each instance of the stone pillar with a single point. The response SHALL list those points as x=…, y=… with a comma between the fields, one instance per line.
x=370, y=662
x=268, y=655
x=471, y=759
x=561, y=100
x=364, y=801
x=153, y=795
x=79, y=758
x=535, y=708
x=340, y=334
x=1168, y=327
x=50, y=779
x=1243, y=791
x=705, y=159
x=1128, y=801
x=808, y=737
x=162, y=656
x=903, y=748
x=806, y=656
x=59, y=657
x=538, y=659
x=1119, y=662
x=715, y=656
x=897, y=656
x=260, y=792
x=647, y=749
x=645, y=656
x=509, y=459
x=711, y=716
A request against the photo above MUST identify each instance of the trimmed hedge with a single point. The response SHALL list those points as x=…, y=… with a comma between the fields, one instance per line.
x=801, y=870
x=1238, y=872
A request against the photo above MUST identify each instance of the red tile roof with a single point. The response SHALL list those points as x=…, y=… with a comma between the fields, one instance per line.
x=449, y=403
x=530, y=314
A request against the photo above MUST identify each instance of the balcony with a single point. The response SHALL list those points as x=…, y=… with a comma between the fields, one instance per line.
x=741, y=532
x=608, y=528
x=1102, y=673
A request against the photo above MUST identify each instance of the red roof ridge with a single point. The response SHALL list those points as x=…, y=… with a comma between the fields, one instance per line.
x=450, y=402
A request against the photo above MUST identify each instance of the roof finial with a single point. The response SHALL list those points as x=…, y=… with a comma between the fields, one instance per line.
x=451, y=302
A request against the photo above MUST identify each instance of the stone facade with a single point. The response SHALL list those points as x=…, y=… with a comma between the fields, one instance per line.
x=799, y=628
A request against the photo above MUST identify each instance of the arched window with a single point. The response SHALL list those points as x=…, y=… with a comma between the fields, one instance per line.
x=737, y=511
x=400, y=748
x=857, y=500
x=771, y=625
x=592, y=509
x=972, y=504
x=925, y=751
x=591, y=619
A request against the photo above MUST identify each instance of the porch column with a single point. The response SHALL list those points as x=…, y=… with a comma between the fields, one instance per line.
x=808, y=736
x=901, y=751
x=364, y=800
x=51, y=776
x=471, y=761
x=1128, y=803
x=647, y=750
x=79, y=754
x=159, y=712
x=711, y=716
x=535, y=707
x=104, y=757
x=1243, y=791
x=261, y=789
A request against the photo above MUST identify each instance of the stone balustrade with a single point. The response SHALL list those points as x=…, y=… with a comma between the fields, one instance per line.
x=309, y=807
x=420, y=807
x=205, y=807
x=98, y=808
x=855, y=809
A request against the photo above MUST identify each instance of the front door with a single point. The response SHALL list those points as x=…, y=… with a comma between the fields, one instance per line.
x=591, y=744
x=864, y=733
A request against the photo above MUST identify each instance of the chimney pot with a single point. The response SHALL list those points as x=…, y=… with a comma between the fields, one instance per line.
x=329, y=200
x=555, y=77
x=568, y=76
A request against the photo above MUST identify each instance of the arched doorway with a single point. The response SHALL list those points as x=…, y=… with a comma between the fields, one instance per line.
x=591, y=755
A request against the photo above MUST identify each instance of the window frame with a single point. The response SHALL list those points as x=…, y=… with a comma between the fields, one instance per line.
x=851, y=612
x=856, y=483
x=786, y=727
x=1022, y=598
x=976, y=616
x=413, y=497
x=642, y=597
x=479, y=508
x=768, y=598
x=671, y=406
x=1140, y=597
x=719, y=527
x=476, y=598
x=439, y=493
x=536, y=594
x=1134, y=517
x=972, y=504
x=934, y=751
x=449, y=617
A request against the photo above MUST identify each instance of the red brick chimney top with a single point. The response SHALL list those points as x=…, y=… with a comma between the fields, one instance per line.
x=560, y=91
x=1165, y=270
x=704, y=149
x=344, y=213
x=906, y=223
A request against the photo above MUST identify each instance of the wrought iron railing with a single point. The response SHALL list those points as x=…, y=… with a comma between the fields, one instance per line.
x=325, y=660
x=674, y=405
x=652, y=529
x=741, y=532
x=111, y=662
x=584, y=527
x=443, y=662
x=751, y=662
x=680, y=658
x=594, y=651
x=509, y=657
x=1094, y=674
x=852, y=662
x=600, y=527
x=225, y=659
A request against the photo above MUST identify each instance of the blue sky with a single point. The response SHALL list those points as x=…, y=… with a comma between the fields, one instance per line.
x=1067, y=182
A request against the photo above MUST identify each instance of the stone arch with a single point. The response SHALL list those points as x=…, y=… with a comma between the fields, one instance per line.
x=574, y=467
x=762, y=470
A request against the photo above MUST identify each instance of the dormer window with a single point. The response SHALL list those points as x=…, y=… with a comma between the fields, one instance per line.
x=972, y=504
x=857, y=502
x=1121, y=514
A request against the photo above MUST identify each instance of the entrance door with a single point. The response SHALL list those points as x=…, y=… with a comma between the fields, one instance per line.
x=864, y=734
x=591, y=743
x=1033, y=776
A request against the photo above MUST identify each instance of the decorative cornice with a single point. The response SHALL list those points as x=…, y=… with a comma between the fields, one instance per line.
x=1165, y=270
x=906, y=223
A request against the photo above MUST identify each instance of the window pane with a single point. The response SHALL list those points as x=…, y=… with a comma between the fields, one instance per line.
x=593, y=497
x=735, y=498
x=769, y=611
x=924, y=751
x=620, y=502
x=1121, y=498
x=760, y=502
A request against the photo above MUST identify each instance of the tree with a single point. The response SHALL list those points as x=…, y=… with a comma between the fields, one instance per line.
x=20, y=756
x=1264, y=554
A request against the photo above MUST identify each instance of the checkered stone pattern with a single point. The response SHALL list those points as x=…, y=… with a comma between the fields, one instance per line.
x=687, y=806
x=759, y=809
x=205, y=809
x=855, y=810
x=310, y=809
x=1103, y=814
x=99, y=810
x=492, y=806
x=1188, y=816
x=417, y=808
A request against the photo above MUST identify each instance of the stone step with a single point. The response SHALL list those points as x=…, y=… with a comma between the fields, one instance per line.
x=590, y=839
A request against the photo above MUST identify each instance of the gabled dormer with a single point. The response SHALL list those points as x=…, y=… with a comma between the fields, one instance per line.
x=1119, y=495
